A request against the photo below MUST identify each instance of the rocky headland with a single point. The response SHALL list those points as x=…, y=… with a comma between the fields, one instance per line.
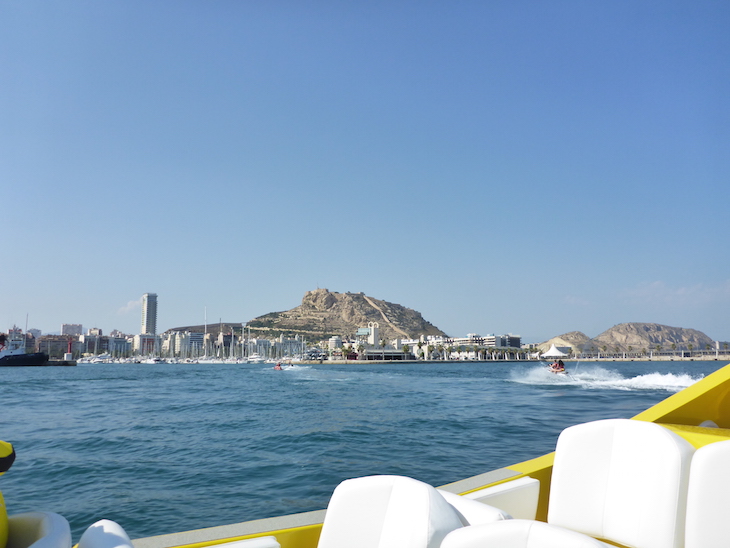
x=634, y=337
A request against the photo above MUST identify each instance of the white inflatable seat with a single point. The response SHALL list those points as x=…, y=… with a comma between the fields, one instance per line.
x=105, y=534
x=38, y=530
x=708, y=499
x=387, y=511
x=518, y=498
x=518, y=533
x=621, y=480
x=472, y=512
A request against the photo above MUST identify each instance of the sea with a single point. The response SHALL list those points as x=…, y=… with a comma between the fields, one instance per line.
x=163, y=448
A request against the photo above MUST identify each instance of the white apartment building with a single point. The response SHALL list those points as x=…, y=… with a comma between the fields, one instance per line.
x=145, y=344
x=471, y=340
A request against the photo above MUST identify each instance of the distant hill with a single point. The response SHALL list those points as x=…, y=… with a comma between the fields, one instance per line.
x=574, y=339
x=325, y=313
x=627, y=337
x=212, y=328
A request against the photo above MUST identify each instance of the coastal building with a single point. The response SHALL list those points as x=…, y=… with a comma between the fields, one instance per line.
x=511, y=341
x=472, y=347
x=58, y=345
x=374, y=336
x=226, y=344
x=334, y=342
x=487, y=341
x=369, y=346
x=191, y=344
x=208, y=343
x=261, y=347
x=72, y=329
x=119, y=345
x=145, y=344
x=167, y=343
x=369, y=335
x=94, y=343
x=182, y=344
x=285, y=347
x=149, y=314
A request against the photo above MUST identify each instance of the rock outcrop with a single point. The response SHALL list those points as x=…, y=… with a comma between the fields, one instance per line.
x=324, y=313
x=574, y=339
x=634, y=337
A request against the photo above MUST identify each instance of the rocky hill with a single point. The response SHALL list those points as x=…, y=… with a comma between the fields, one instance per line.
x=324, y=313
x=636, y=337
x=574, y=339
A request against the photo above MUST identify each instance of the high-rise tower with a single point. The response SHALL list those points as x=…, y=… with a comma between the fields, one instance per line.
x=149, y=314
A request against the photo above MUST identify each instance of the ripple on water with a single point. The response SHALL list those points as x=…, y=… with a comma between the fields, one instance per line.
x=165, y=448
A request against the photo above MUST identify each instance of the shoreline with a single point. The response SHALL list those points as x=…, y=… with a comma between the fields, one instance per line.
x=720, y=358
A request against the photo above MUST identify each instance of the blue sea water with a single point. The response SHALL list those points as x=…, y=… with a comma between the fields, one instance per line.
x=171, y=447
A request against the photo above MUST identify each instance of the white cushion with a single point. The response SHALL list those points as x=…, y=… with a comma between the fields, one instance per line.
x=473, y=512
x=518, y=533
x=39, y=530
x=105, y=534
x=621, y=480
x=518, y=498
x=387, y=511
x=708, y=499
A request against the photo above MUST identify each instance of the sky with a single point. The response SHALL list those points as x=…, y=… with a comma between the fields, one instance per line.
x=521, y=167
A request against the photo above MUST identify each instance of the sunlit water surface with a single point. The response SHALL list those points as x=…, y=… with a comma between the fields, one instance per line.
x=166, y=448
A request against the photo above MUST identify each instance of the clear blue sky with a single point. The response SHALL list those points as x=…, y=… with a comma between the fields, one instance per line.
x=529, y=167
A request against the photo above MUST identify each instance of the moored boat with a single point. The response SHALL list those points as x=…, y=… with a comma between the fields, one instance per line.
x=12, y=353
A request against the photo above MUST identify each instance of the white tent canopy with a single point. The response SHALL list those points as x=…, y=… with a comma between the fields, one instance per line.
x=554, y=353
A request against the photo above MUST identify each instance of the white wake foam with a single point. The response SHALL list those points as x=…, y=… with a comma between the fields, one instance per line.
x=295, y=367
x=597, y=377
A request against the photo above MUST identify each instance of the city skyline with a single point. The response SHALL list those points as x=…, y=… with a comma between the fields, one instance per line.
x=149, y=327
x=533, y=168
